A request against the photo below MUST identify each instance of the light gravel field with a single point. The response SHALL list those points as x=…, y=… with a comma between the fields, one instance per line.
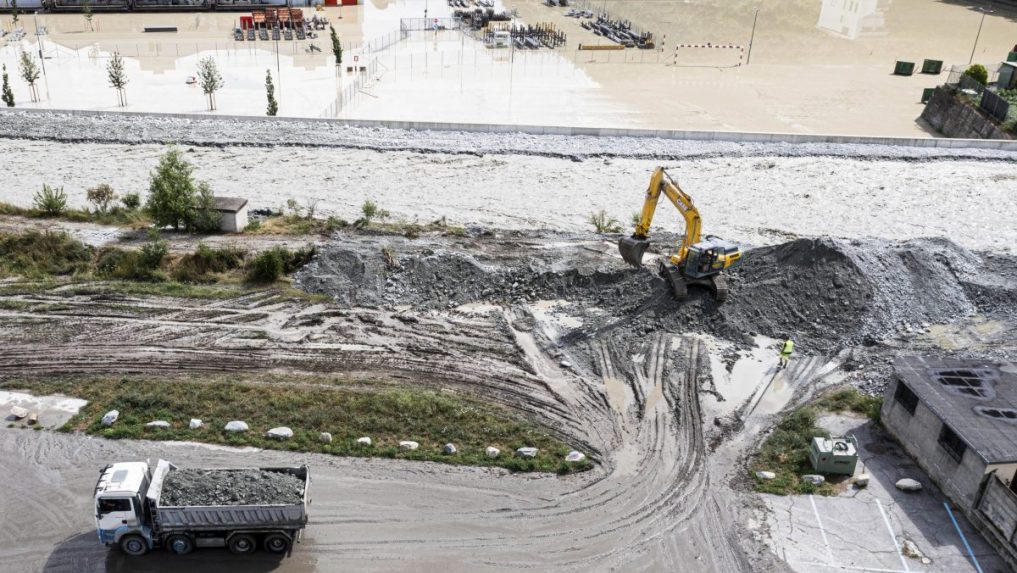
x=757, y=199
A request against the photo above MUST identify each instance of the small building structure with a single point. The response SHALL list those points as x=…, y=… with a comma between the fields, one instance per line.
x=232, y=212
x=834, y=455
x=958, y=419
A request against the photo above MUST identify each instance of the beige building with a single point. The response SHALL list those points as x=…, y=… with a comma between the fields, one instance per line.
x=233, y=213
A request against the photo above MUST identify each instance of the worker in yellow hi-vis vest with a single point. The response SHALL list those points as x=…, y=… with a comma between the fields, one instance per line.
x=785, y=352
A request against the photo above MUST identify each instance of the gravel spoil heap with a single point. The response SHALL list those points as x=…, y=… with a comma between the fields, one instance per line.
x=197, y=487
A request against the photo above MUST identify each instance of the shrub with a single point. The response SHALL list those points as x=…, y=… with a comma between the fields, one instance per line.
x=101, y=196
x=978, y=73
x=154, y=252
x=131, y=200
x=267, y=267
x=603, y=223
x=277, y=261
x=197, y=266
x=371, y=211
x=50, y=201
x=35, y=253
x=205, y=218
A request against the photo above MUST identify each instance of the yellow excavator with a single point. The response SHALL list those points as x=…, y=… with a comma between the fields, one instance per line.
x=698, y=261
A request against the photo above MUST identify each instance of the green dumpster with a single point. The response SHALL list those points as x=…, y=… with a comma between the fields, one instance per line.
x=1011, y=57
x=932, y=66
x=927, y=94
x=904, y=68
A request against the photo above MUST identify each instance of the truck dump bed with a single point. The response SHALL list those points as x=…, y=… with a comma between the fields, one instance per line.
x=226, y=517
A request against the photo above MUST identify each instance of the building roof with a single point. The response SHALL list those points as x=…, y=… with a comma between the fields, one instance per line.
x=977, y=399
x=230, y=204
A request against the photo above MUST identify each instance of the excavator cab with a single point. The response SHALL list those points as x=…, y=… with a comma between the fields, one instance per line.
x=711, y=256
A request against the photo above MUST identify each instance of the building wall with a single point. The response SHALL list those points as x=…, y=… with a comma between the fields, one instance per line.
x=919, y=435
x=233, y=222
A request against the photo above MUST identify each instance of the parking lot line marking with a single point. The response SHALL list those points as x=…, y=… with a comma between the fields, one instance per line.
x=967, y=545
x=854, y=567
x=896, y=545
x=815, y=510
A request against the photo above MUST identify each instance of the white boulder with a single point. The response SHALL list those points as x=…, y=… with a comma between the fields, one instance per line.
x=862, y=480
x=194, y=424
x=449, y=449
x=408, y=445
x=527, y=453
x=237, y=426
x=766, y=475
x=158, y=424
x=492, y=452
x=280, y=433
x=19, y=412
x=908, y=484
x=364, y=441
x=325, y=438
x=814, y=479
x=110, y=417
x=575, y=456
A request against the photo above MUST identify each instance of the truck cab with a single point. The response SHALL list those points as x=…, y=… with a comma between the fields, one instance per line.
x=119, y=507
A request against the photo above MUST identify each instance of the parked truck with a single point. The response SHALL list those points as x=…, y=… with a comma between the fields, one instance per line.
x=130, y=513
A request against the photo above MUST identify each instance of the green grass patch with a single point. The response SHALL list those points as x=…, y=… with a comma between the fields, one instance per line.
x=309, y=405
x=851, y=400
x=117, y=216
x=37, y=254
x=786, y=453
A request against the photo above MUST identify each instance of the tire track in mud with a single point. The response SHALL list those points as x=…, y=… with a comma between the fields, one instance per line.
x=631, y=402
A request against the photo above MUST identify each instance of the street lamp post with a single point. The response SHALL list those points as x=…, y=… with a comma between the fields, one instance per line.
x=980, y=22
x=752, y=37
x=38, y=40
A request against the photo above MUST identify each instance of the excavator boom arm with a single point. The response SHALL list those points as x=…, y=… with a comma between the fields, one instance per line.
x=662, y=184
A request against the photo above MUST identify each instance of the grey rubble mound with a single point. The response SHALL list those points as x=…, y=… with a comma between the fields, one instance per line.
x=195, y=487
x=439, y=276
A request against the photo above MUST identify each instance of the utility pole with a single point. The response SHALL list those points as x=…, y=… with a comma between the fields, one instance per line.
x=980, y=22
x=752, y=38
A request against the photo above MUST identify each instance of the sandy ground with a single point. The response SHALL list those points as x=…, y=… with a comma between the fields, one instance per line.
x=815, y=67
x=756, y=200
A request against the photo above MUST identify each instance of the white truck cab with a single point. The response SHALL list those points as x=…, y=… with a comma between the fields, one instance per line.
x=119, y=506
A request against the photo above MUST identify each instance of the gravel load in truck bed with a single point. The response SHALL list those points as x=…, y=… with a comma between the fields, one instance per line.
x=192, y=487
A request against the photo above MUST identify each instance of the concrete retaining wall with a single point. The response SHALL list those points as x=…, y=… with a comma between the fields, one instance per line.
x=727, y=136
x=954, y=118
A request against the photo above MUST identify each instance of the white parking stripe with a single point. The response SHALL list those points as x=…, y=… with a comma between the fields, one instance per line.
x=829, y=552
x=903, y=561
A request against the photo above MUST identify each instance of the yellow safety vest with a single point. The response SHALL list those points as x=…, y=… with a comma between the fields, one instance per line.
x=789, y=347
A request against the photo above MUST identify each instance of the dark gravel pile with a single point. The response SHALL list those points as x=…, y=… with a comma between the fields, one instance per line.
x=193, y=487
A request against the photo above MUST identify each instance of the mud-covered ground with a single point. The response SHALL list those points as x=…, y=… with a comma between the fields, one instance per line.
x=552, y=325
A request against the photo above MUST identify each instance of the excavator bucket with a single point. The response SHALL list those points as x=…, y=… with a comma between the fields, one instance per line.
x=632, y=249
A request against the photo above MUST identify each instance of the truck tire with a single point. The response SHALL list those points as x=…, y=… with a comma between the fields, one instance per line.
x=133, y=545
x=277, y=543
x=242, y=544
x=179, y=544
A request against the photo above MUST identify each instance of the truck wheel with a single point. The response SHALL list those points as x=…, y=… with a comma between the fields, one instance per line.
x=133, y=545
x=242, y=544
x=277, y=543
x=179, y=544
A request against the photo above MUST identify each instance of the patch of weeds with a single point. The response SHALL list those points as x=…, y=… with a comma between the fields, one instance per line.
x=37, y=254
x=204, y=263
x=309, y=405
x=786, y=453
x=851, y=400
x=603, y=223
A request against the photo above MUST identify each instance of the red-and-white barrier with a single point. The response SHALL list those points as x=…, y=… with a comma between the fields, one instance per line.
x=710, y=45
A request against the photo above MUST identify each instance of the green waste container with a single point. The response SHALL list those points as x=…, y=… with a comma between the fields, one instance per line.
x=1011, y=57
x=927, y=94
x=932, y=66
x=904, y=68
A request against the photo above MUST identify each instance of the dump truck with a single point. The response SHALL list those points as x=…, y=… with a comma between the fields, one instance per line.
x=135, y=512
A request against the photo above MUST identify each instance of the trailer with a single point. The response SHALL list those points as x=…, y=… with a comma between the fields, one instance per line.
x=130, y=513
